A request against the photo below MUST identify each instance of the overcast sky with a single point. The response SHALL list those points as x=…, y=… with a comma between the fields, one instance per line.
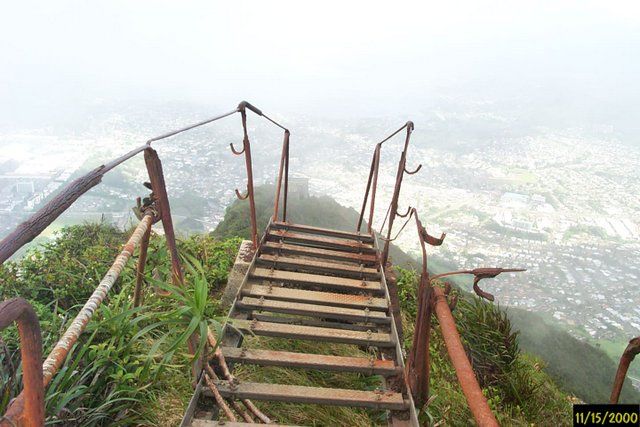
x=371, y=57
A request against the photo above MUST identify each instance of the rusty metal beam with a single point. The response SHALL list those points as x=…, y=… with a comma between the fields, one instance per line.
x=283, y=158
x=369, y=366
x=313, y=395
x=313, y=333
x=156, y=176
x=247, y=157
x=40, y=220
x=393, y=209
x=633, y=348
x=315, y=297
x=59, y=353
x=142, y=259
x=28, y=409
x=466, y=377
x=308, y=279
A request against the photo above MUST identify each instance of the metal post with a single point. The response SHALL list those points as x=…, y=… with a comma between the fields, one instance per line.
x=154, y=168
x=418, y=365
x=285, y=150
x=374, y=187
x=366, y=193
x=247, y=158
x=286, y=186
x=29, y=409
x=142, y=259
x=396, y=192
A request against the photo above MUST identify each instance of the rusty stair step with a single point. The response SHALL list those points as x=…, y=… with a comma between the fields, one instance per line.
x=339, y=283
x=322, y=242
x=314, y=333
x=311, y=361
x=316, y=297
x=322, y=231
x=367, y=259
x=313, y=310
x=312, y=395
x=358, y=271
x=320, y=323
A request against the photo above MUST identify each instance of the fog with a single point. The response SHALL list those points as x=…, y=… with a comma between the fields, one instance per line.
x=574, y=61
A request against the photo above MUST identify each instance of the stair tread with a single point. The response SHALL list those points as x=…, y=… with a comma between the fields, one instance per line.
x=341, y=336
x=310, y=361
x=317, y=279
x=323, y=266
x=319, y=230
x=313, y=395
x=308, y=239
x=319, y=252
x=324, y=311
x=316, y=297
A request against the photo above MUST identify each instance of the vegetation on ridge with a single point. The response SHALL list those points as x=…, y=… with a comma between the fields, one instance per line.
x=130, y=367
x=130, y=371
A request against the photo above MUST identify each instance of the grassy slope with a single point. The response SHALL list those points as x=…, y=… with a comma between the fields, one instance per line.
x=581, y=369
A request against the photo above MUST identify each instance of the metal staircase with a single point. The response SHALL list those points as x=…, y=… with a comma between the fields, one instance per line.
x=308, y=283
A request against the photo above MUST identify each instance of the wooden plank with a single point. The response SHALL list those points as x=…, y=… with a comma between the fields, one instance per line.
x=341, y=336
x=313, y=310
x=322, y=231
x=313, y=395
x=311, y=361
x=316, y=297
x=300, y=264
x=338, y=283
x=367, y=259
x=321, y=242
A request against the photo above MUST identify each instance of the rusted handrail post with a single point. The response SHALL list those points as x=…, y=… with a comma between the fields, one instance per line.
x=142, y=259
x=284, y=157
x=28, y=411
x=393, y=210
x=246, y=149
x=372, y=184
x=633, y=348
x=156, y=176
x=286, y=185
x=418, y=365
x=466, y=377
